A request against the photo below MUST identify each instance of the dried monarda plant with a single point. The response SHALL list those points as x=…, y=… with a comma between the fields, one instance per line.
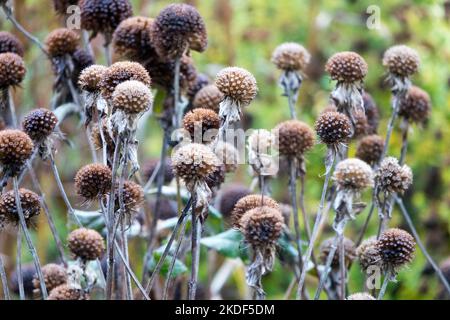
x=370, y=148
x=10, y=43
x=208, y=97
x=54, y=276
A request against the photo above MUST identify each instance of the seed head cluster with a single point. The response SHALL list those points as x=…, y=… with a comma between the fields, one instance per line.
x=291, y=56
x=61, y=42
x=333, y=127
x=16, y=148
x=201, y=120
x=54, y=276
x=347, y=67
x=39, y=124
x=401, y=61
x=294, y=137
x=229, y=196
x=9, y=43
x=66, y=292
x=93, y=180
x=368, y=254
x=237, y=84
x=349, y=252
x=248, y=203
x=90, y=78
x=209, y=97
x=86, y=244
x=353, y=174
x=262, y=226
x=201, y=80
x=370, y=148
x=133, y=196
x=132, y=97
x=391, y=177
x=150, y=166
x=396, y=248
x=12, y=70
x=29, y=201
x=416, y=106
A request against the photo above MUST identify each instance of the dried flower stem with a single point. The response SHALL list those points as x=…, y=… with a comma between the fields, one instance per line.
x=386, y=280
x=19, y=264
x=366, y=224
x=12, y=108
x=195, y=251
x=404, y=149
x=4, y=280
x=176, y=94
x=342, y=268
x=87, y=42
x=327, y=268
x=129, y=290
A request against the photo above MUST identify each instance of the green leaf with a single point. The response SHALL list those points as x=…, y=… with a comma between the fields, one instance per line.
x=227, y=243
x=179, y=267
x=91, y=219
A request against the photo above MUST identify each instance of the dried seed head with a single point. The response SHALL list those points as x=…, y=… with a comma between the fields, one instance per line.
x=61, y=6
x=39, y=124
x=96, y=137
x=194, y=162
x=167, y=208
x=65, y=292
x=103, y=16
x=93, y=180
x=291, y=56
x=30, y=202
x=401, y=61
x=90, y=78
x=237, y=84
x=120, y=72
x=368, y=254
x=54, y=275
x=86, y=244
x=150, y=166
x=361, y=125
x=360, y=296
x=348, y=67
x=9, y=43
x=132, y=38
x=262, y=226
x=372, y=113
x=133, y=196
x=333, y=127
x=217, y=177
x=61, y=41
x=229, y=196
x=294, y=138
x=208, y=97
x=132, y=97
x=200, y=121
x=370, y=149
x=227, y=155
x=396, y=248
x=349, y=252
x=16, y=148
x=28, y=273
x=201, y=80
x=353, y=174
x=81, y=60
x=416, y=106
x=248, y=203
x=12, y=70
x=179, y=27
x=391, y=177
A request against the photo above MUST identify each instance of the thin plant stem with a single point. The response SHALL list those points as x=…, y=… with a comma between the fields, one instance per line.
x=176, y=93
x=384, y=286
x=404, y=143
x=342, y=267
x=107, y=48
x=129, y=290
x=390, y=129
x=87, y=42
x=19, y=264
x=30, y=245
x=291, y=102
x=366, y=224
x=4, y=280
x=196, y=235
x=327, y=268
x=104, y=144
x=12, y=108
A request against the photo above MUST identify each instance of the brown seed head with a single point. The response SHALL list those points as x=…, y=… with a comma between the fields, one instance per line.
x=62, y=41
x=333, y=127
x=217, y=177
x=361, y=125
x=248, y=203
x=9, y=43
x=294, y=137
x=89, y=79
x=396, y=248
x=150, y=166
x=133, y=196
x=401, y=61
x=391, y=177
x=54, y=275
x=368, y=254
x=209, y=97
x=81, y=60
x=237, y=84
x=65, y=292
x=416, y=106
x=360, y=296
x=201, y=80
x=16, y=148
x=370, y=149
x=349, y=252
x=229, y=196
x=93, y=180
x=86, y=244
x=12, y=70
x=353, y=174
x=39, y=124
x=199, y=121
x=262, y=226
x=291, y=56
x=30, y=202
x=132, y=97
x=348, y=67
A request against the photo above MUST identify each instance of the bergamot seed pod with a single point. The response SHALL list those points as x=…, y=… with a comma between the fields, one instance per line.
x=333, y=128
x=262, y=226
x=133, y=196
x=353, y=174
x=291, y=56
x=349, y=252
x=86, y=244
x=120, y=72
x=54, y=275
x=9, y=43
x=201, y=81
x=61, y=6
x=228, y=155
x=89, y=79
x=150, y=166
x=391, y=177
x=416, y=106
x=132, y=38
x=198, y=121
x=65, y=292
x=347, y=67
x=61, y=41
x=93, y=180
x=361, y=125
x=103, y=16
x=360, y=296
x=372, y=113
x=194, y=162
x=368, y=254
x=248, y=203
x=179, y=27
x=294, y=137
x=229, y=196
x=237, y=84
x=132, y=97
x=370, y=148
x=401, y=61
x=16, y=148
x=12, y=70
x=30, y=202
x=396, y=248
x=39, y=124
x=208, y=97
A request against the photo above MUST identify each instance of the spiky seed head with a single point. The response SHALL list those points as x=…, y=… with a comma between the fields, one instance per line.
x=150, y=166
x=209, y=97
x=200, y=121
x=391, y=177
x=179, y=27
x=30, y=202
x=347, y=67
x=39, y=124
x=66, y=292
x=194, y=162
x=228, y=155
x=86, y=244
x=93, y=180
x=353, y=174
x=360, y=296
x=133, y=196
x=90, y=78
x=368, y=254
x=12, y=70
x=103, y=16
x=262, y=226
x=372, y=113
x=9, y=43
x=416, y=106
x=61, y=6
x=248, y=203
x=54, y=275
x=294, y=138
x=229, y=196
x=237, y=84
x=333, y=127
x=120, y=72
x=370, y=148
x=61, y=41
x=132, y=97
x=401, y=61
x=201, y=80
x=396, y=248
x=290, y=56
x=349, y=252
x=16, y=148
x=132, y=38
